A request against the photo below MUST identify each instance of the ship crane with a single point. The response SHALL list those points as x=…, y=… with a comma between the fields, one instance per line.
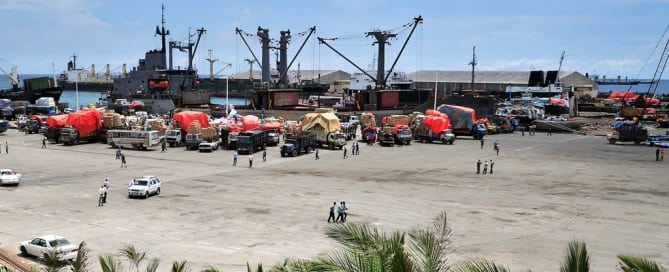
x=13, y=76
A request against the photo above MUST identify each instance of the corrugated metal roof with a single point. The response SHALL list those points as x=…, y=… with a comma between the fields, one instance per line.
x=304, y=74
x=499, y=77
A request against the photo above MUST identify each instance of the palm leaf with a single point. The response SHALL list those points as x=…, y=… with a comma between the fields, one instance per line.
x=210, y=269
x=134, y=257
x=180, y=266
x=52, y=263
x=354, y=236
x=576, y=258
x=248, y=267
x=427, y=251
x=81, y=262
x=152, y=266
x=109, y=264
x=637, y=264
x=480, y=265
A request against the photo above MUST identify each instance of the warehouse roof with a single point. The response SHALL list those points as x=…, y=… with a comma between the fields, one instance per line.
x=500, y=77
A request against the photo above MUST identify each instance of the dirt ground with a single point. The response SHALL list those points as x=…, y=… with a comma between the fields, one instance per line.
x=544, y=192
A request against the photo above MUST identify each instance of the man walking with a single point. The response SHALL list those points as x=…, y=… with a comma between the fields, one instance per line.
x=101, y=194
x=492, y=163
x=662, y=155
x=123, y=164
x=163, y=146
x=317, y=153
x=251, y=160
x=485, y=167
x=234, y=158
x=478, y=166
x=345, y=153
x=44, y=142
x=550, y=131
x=6, y=147
x=118, y=152
x=332, y=212
x=657, y=154
x=482, y=142
x=264, y=155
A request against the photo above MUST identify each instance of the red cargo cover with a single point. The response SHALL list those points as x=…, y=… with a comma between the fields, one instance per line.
x=250, y=122
x=85, y=121
x=56, y=120
x=186, y=117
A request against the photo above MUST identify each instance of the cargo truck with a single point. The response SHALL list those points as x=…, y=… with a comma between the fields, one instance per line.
x=251, y=141
x=628, y=132
x=295, y=145
x=175, y=137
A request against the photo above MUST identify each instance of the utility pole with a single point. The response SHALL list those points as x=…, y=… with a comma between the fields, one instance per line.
x=211, y=61
x=473, y=64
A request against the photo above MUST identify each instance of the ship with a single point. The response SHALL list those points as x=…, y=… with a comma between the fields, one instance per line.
x=32, y=89
x=75, y=78
x=156, y=83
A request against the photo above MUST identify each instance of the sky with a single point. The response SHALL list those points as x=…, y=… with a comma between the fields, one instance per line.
x=600, y=37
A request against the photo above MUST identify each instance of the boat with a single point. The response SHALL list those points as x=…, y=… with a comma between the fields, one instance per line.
x=75, y=78
x=32, y=89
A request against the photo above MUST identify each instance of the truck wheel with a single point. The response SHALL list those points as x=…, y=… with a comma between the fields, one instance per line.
x=283, y=154
x=294, y=153
x=612, y=141
x=408, y=143
x=331, y=146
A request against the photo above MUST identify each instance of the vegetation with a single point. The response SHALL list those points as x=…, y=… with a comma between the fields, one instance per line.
x=364, y=249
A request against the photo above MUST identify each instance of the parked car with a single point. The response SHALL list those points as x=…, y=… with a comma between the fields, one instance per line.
x=43, y=245
x=9, y=177
x=144, y=187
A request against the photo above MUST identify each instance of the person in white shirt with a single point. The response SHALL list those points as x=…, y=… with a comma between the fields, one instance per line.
x=250, y=160
x=101, y=193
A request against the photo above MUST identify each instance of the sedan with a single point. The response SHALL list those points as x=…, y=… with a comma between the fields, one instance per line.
x=43, y=245
x=9, y=176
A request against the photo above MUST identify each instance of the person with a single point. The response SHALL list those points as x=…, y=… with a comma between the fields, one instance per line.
x=106, y=184
x=250, y=160
x=131, y=183
x=332, y=212
x=657, y=154
x=343, y=203
x=478, y=166
x=234, y=158
x=482, y=141
x=118, y=152
x=340, y=212
x=317, y=153
x=123, y=164
x=492, y=163
x=497, y=146
x=264, y=155
x=44, y=142
x=163, y=146
x=485, y=167
x=522, y=131
x=550, y=130
x=101, y=194
x=662, y=155
x=345, y=152
x=6, y=147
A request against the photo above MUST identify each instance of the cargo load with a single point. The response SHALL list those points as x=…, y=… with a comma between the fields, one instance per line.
x=85, y=121
x=250, y=122
x=56, y=120
x=463, y=121
x=183, y=119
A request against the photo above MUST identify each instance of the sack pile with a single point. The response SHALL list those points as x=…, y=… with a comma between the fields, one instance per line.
x=112, y=120
x=367, y=119
x=208, y=133
x=194, y=127
x=395, y=120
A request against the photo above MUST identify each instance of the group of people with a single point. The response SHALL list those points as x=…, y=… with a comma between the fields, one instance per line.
x=659, y=154
x=121, y=156
x=485, y=166
x=341, y=210
x=235, y=156
x=102, y=192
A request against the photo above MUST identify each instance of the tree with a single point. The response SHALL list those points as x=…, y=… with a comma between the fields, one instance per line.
x=134, y=257
x=109, y=263
x=81, y=262
x=180, y=266
x=52, y=263
x=480, y=265
x=576, y=258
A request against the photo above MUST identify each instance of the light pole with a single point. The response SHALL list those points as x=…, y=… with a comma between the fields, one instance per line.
x=76, y=89
x=227, y=102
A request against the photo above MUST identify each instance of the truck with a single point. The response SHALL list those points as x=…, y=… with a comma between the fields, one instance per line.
x=193, y=141
x=628, y=132
x=402, y=134
x=463, y=121
x=4, y=125
x=229, y=137
x=175, y=137
x=295, y=145
x=210, y=140
x=432, y=127
x=326, y=128
x=333, y=140
x=386, y=139
x=32, y=126
x=251, y=141
x=272, y=136
x=70, y=135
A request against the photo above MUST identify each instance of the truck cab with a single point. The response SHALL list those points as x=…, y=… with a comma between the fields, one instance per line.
x=273, y=137
x=193, y=141
x=386, y=139
x=175, y=137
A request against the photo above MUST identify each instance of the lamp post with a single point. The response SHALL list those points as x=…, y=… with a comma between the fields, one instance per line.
x=76, y=89
x=227, y=102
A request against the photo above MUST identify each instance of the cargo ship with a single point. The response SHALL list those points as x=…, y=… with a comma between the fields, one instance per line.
x=75, y=78
x=32, y=89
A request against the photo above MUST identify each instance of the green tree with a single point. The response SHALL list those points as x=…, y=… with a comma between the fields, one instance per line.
x=638, y=264
x=576, y=258
x=180, y=266
x=480, y=265
x=81, y=262
x=133, y=256
x=52, y=263
x=109, y=263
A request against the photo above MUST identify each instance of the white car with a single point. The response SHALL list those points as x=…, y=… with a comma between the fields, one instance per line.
x=43, y=245
x=144, y=187
x=9, y=176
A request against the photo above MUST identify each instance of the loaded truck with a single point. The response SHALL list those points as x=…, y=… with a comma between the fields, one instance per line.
x=229, y=138
x=295, y=145
x=272, y=136
x=175, y=137
x=333, y=140
x=463, y=121
x=70, y=135
x=251, y=141
x=193, y=141
x=402, y=134
x=81, y=126
x=432, y=127
x=628, y=132
x=326, y=128
x=210, y=140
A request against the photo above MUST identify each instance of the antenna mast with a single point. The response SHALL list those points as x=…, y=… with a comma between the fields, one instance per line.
x=473, y=64
x=211, y=65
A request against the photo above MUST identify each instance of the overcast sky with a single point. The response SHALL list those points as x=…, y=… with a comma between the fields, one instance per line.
x=604, y=37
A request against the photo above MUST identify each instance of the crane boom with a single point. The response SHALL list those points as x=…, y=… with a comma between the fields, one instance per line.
x=13, y=75
x=658, y=71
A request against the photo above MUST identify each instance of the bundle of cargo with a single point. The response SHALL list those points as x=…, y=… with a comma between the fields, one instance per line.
x=463, y=121
x=367, y=119
x=250, y=122
x=209, y=133
x=194, y=127
x=112, y=120
x=183, y=119
x=323, y=110
x=158, y=125
x=394, y=120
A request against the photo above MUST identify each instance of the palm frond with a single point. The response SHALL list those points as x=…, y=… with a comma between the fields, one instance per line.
x=443, y=231
x=576, y=258
x=132, y=255
x=427, y=251
x=480, y=265
x=180, y=266
x=258, y=269
x=354, y=236
x=152, y=266
x=210, y=269
x=52, y=263
x=81, y=262
x=108, y=263
x=637, y=264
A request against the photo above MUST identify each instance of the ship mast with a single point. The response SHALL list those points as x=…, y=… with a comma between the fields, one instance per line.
x=473, y=64
x=160, y=30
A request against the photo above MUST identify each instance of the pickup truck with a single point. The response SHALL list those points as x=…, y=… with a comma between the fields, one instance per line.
x=208, y=146
x=144, y=187
x=273, y=137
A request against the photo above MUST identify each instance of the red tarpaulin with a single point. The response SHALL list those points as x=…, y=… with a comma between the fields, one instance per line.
x=250, y=122
x=85, y=121
x=56, y=120
x=622, y=94
x=436, y=121
x=186, y=117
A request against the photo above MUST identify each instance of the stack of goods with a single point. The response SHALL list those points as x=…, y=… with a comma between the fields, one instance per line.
x=208, y=133
x=367, y=119
x=395, y=120
x=112, y=120
x=158, y=125
x=323, y=110
x=194, y=127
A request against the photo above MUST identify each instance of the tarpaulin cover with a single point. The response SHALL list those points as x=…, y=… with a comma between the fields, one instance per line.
x=56, y=120
x=233, y=128
x=250, y=122
x=272, y=125
x=186, y=117
x=327, y=120
x=85, y=121
x=397, y=128
x=622, y=94
x=461, y=117
x=136, y=103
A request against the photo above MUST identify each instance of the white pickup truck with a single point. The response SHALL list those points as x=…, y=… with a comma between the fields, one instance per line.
x=144, y=187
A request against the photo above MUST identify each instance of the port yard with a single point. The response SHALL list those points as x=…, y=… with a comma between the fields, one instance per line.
x=545, y=191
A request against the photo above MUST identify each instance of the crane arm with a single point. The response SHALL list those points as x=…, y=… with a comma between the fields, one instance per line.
x=311, y=31
x=322, y=40
x=417, y=21
x=240, y=33
x=13, y=75
x=658, y=71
